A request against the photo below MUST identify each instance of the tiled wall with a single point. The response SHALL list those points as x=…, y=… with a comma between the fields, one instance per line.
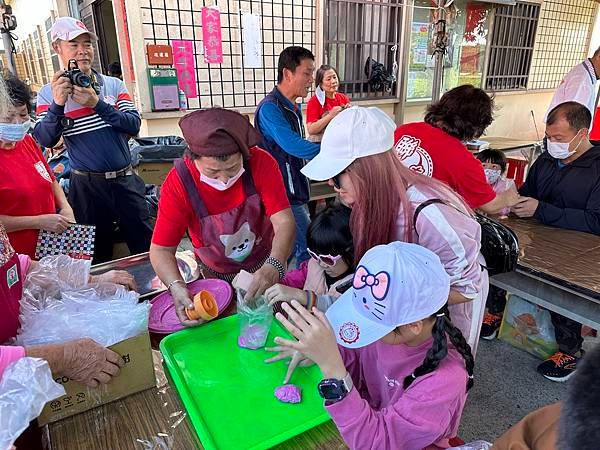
x=283, y=23
x=562, y=40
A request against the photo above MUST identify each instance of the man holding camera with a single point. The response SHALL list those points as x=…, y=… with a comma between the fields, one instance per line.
x=95, y=115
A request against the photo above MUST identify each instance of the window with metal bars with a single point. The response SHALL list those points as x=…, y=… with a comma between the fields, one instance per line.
x=231, y=84
x=361, y=42
x=511, y=46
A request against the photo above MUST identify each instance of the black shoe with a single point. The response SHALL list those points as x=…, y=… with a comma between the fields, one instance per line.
x=559, y=367
x=491, y=325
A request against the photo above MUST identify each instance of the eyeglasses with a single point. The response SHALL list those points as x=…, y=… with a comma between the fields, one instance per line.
x=328, y=260
x=336, y=180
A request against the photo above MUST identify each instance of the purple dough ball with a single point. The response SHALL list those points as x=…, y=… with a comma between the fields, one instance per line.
x=288, y=393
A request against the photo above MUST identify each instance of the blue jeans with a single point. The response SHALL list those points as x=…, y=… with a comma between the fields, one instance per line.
x=302, y=221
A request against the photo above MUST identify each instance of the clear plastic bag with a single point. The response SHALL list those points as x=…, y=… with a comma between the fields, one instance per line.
x=477, y=445
x=255, y=317
x=528, y=327
x=25, y=387
x=59, y=306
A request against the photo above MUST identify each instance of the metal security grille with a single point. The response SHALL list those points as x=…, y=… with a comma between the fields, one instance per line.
x=562, y=42
x=283, y=23
x=511, y=46
x=356, y=30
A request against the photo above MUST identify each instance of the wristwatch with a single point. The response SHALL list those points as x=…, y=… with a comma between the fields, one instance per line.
x=334, y=390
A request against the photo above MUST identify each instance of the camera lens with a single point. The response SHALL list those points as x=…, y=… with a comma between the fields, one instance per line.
x=81, y=79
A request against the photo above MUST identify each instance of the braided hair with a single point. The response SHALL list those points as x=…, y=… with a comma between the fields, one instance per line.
x=439, y=350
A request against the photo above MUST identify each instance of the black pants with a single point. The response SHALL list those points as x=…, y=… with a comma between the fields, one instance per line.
x=567, y=332
x=101, y=202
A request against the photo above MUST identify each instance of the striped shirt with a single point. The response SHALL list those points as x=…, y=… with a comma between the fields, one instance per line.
x=98, y=139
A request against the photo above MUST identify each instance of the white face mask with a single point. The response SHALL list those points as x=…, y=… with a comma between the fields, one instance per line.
x=560, y=150
x=14, y=132
x=492, y=175
x=221, y=185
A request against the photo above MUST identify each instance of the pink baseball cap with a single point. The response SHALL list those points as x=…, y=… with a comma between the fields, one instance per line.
x=68, y=28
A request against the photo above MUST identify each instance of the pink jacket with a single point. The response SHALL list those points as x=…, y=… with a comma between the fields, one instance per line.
x=502, y=185
x=380, y=414
x=310, y=276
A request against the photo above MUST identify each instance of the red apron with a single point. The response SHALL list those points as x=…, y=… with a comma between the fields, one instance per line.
x=11, y=289
x=237, y=239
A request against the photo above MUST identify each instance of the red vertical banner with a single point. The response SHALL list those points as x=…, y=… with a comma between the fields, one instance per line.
x=183, y=60
x=211, y=34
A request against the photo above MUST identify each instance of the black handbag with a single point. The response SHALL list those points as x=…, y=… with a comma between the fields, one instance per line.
x=499, y=244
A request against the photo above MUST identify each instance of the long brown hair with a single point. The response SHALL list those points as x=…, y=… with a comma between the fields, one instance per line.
x=380, y=183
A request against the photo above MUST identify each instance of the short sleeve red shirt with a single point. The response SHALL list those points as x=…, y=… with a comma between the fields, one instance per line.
x=432, y=152
x=175, y=213
x=26, y=189
x=314, y=110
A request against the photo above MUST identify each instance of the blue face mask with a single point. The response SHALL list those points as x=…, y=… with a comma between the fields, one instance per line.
x=14, y=132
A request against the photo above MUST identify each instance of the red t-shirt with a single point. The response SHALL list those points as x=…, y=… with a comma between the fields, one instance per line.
x=25, y=190
x=314, y=110
x=432, y=152
x=175, y=213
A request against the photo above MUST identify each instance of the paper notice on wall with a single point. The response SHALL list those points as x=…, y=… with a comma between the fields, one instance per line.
x=252, y=45
x=211, y=34
x=183, y=60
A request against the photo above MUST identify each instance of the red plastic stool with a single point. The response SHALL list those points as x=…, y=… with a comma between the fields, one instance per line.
x=516, y=170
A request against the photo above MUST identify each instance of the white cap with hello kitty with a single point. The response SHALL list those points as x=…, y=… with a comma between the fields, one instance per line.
x=394, y=284
x=68, y=28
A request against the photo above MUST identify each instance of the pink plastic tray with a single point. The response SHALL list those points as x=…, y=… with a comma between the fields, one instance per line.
x=164, y=320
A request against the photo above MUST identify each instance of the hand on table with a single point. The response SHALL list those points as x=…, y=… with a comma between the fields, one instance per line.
x=53, y=222
x=87, y=362
x=526, y=207
x=281, y=293
x=297, y=359
x=118, y=277
x=182, y=301
x=262, y=279
x=315, y=338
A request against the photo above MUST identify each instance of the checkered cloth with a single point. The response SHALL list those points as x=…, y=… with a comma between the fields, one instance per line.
x=77, y=241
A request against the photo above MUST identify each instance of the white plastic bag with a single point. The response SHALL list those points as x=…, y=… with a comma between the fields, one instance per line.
x=59, y=306
x=25, y=387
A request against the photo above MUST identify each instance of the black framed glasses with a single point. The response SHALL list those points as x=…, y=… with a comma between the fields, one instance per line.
x=336, y=180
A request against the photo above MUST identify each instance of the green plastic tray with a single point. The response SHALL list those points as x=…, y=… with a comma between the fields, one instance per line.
x=228, y=391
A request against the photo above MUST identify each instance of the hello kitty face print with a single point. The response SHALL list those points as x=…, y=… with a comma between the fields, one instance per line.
x=371, y=290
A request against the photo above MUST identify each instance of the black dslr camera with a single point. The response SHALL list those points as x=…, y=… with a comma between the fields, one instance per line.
x=76, y=76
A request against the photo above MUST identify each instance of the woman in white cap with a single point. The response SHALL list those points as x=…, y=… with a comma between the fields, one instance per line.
x=396, y=370
x=391, y=202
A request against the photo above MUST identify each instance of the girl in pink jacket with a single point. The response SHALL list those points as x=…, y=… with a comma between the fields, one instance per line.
x=328, y=273
x=396, y=370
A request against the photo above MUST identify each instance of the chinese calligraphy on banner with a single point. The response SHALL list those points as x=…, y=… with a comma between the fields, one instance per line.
x=183, y=59
x=211, y=34
x=252, y=43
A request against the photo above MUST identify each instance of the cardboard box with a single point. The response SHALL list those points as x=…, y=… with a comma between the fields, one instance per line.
x=154, y=172
x=136, y=375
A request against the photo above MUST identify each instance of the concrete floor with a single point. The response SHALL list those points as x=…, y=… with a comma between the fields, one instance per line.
x=507, y=387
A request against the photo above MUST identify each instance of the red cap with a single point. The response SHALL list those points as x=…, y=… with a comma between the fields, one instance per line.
x=218, y=132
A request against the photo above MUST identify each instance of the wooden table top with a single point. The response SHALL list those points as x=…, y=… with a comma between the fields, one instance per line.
x=566, y=256
x=155, y=419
